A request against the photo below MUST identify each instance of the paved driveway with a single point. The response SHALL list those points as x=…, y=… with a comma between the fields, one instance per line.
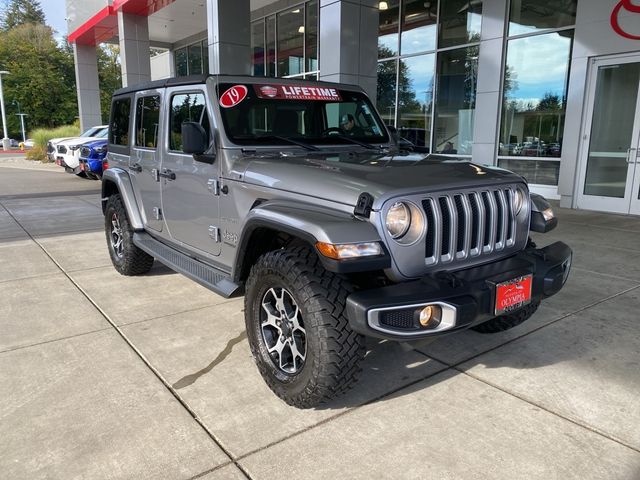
x=105, y=376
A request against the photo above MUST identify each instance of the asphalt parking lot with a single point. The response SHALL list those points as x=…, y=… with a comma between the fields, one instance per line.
x=105, y=376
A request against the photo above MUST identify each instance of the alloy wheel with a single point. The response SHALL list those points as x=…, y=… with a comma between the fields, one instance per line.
x=283, y=330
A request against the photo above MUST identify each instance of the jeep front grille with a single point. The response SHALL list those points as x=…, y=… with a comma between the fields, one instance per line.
x=62, y=149
x=469, y=224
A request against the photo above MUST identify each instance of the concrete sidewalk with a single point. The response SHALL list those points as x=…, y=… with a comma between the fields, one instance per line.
x=105, y=376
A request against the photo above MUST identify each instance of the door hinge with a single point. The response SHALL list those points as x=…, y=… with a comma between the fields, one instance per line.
x=214, y=186
x=214, y=233
x=156, y=174
x=157, y=212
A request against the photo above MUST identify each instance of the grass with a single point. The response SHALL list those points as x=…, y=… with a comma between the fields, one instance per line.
x=42, y=135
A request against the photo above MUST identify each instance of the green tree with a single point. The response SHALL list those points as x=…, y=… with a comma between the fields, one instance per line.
x=42, y=77
x=20, y=12
x=109, y=75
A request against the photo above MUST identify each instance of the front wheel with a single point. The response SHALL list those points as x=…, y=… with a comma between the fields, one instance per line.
x=125, y=256
x=299, y=336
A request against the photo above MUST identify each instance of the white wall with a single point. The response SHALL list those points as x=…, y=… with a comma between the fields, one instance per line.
x=161, y=66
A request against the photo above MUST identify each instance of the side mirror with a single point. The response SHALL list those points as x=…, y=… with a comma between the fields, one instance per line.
x=194, y=138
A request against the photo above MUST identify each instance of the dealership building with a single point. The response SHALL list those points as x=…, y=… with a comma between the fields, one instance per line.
x=548, y=89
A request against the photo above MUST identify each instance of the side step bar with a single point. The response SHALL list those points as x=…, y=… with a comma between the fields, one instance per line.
x=206, y=275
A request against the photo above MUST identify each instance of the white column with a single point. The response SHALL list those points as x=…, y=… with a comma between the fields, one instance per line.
x=135, y=57
x=490, y=67
x=87, y=86
x=349, y=43
x=229, y=36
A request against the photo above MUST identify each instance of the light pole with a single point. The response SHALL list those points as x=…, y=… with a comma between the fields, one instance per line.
x=24, y=135
x=5, y=139
x=21, y=115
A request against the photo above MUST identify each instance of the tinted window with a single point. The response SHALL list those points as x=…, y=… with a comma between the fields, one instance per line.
x=533, y=15
x=147, y=118
x=186, y=107
x=119, y=127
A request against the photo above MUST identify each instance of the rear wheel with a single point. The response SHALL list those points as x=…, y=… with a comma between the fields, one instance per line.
x=125, y=256
x=299, y=337
x=506, y=322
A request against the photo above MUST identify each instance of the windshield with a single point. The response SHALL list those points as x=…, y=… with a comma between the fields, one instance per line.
x=102, y=133
x=91, y=132
x=269, y=114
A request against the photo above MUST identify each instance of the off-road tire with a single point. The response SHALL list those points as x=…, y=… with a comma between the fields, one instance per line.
x=505, y=322
x=333, y=350
x=132, y=260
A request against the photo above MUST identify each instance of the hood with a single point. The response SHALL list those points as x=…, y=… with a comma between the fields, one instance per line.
x=78, y=140
x=96, y=143
x=55, y=141
x=343, y=177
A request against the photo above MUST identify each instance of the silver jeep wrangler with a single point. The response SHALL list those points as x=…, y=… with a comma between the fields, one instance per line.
x=296, y=194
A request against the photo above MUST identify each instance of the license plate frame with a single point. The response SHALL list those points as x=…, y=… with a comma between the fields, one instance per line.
x=513, y=294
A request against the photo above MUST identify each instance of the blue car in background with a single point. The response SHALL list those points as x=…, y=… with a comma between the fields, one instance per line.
x=91, y=156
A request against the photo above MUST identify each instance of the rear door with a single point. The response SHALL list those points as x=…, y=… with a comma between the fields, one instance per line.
x=144, y=159
x=190, y=199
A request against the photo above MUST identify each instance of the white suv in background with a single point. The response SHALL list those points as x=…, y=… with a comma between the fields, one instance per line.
x=68, y=151
x=52, y=144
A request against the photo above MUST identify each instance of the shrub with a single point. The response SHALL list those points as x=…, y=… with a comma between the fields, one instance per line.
x=41, y=136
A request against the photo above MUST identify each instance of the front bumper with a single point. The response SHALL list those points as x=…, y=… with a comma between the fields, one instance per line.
x=469, y=293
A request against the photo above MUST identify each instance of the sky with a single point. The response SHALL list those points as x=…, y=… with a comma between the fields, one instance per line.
x=55, y=11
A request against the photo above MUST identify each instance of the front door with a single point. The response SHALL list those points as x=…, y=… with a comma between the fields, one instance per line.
x=610, y=174
x=190, y=200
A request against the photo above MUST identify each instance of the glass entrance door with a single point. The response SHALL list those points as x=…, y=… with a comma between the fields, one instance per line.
x=610, y=177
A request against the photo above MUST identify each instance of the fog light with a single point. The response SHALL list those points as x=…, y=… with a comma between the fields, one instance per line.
x=430, y=316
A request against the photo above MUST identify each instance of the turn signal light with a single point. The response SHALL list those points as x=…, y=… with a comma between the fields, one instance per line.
x=344, y=251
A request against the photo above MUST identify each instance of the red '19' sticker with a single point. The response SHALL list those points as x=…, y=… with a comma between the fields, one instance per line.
x=233, y=96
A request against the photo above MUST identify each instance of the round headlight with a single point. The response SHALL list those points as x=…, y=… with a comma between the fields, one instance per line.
x=518, y=200
x=398, y=220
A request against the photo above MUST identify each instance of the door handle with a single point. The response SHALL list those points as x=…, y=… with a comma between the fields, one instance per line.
x=136, y=167
x=167, y=174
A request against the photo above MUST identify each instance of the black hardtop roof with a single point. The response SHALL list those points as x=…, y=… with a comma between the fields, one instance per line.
x=200, y=79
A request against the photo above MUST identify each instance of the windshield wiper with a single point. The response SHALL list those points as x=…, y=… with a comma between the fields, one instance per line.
x=288, y=140
x=357, y=142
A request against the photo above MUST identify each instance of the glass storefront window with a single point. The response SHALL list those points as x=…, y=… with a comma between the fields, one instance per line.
x=415, y=99
x=271, y=47
x=419, y=26
x=540, y=172
x=257, y=48
x=535, y=87
x=291, y=42
x=388, y=18
x=386, y=91
x=455, y=100
x=528, y=16
x=195, y=59
x=460, y=22
x=205, y=57
x=180, y=56
x=311, y=36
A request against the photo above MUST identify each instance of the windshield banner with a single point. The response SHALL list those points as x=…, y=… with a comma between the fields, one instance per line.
x=295, y=92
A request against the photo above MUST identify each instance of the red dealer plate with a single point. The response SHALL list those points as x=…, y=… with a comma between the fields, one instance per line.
x=513, y=294
x=233, y=96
